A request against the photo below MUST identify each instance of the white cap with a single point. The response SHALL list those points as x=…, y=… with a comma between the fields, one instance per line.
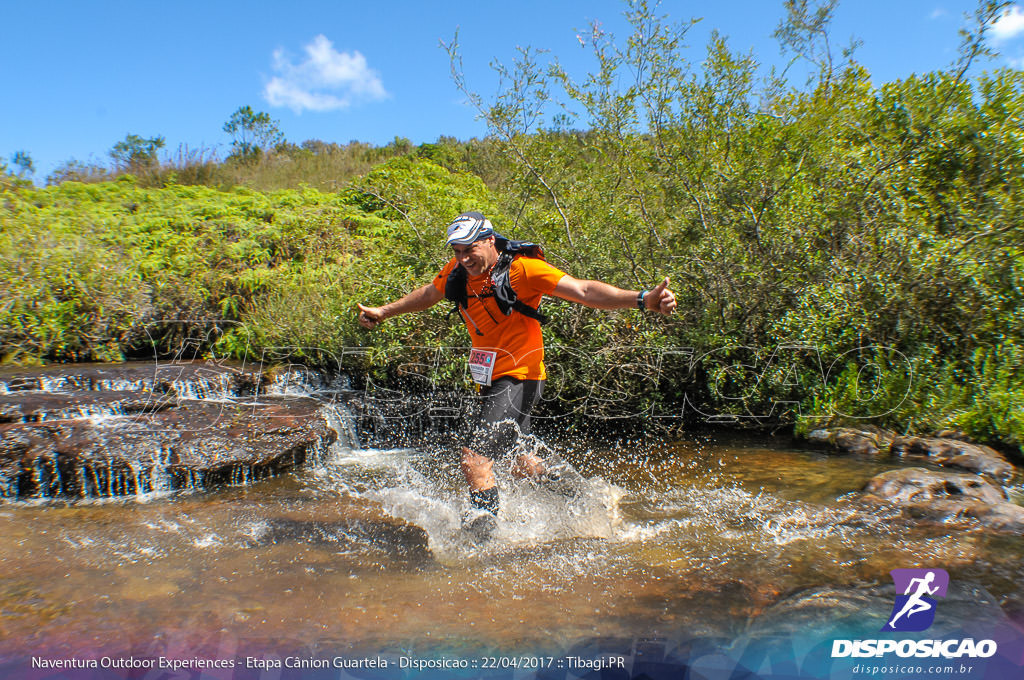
x=469, y=227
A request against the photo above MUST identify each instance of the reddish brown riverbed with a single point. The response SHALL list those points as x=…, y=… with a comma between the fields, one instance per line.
x=363, y=552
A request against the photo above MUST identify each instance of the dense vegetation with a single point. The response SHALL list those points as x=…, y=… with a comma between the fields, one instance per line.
x=844, y=250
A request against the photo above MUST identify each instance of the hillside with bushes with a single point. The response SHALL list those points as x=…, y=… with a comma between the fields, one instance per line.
x=844, y=250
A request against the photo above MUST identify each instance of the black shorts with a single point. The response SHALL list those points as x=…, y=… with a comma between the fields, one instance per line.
x=504, y=415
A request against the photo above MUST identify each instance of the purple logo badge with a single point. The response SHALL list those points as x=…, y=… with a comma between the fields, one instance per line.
x=914, y=610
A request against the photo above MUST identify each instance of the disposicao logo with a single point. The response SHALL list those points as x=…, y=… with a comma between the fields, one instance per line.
x=914, y=611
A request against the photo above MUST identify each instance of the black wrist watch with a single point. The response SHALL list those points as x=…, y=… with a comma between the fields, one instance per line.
x=640, y=298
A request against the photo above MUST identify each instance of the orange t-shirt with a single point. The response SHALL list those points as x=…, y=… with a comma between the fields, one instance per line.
x=516, y=339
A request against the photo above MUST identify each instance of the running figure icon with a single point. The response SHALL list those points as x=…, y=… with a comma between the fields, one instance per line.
x=916, y=605
x=914, y=610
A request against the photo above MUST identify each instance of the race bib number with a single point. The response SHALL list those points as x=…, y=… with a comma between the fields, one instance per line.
x=481, y=365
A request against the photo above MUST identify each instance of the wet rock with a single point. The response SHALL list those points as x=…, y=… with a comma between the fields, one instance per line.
x=867, y=441
x=39, y=406
x=838, y=612
x=828, y=607
x=1008, y=517
x=110, y=431
x=1004, y=517
x=158, y=377
x=959, y=435
x=957, y=454
x=341, y=525
x=948, y=496
x=952, y=451
x=392, y=538
x=911, y=485
x=195, y=445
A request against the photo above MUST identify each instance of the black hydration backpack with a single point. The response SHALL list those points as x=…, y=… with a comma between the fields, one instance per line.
x=501, y=287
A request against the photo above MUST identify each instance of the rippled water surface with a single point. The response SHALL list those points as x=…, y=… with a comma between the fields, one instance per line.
x=363, y=551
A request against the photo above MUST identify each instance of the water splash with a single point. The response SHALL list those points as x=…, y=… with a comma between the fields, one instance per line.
x=310, y=555
x=409, y=484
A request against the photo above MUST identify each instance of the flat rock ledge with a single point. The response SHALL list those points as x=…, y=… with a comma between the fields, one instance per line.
x=848, y=440
x=124, y=431
x=941, y=451
x=944, y=497
x=958, y=454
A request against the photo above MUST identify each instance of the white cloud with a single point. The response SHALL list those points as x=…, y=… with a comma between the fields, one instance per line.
x=326, y=81
x=938, y=13
x=1010, y=24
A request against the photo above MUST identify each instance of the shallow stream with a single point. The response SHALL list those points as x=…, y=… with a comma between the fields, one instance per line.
x=361, y=552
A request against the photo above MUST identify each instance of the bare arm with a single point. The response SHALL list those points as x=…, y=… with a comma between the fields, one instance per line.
x=416, y=301
x=601, y=295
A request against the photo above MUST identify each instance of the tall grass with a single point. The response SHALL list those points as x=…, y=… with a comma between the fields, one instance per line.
x=325, y=166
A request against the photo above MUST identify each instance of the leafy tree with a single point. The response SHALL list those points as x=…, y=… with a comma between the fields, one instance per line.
x=839, y=248
x=805, y=32
x=76, y=171
x=889, y=237
x=23, y=161
x=134, y=153
x=253, y=133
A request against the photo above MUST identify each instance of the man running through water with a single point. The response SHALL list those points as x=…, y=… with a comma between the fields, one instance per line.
x=507, y=357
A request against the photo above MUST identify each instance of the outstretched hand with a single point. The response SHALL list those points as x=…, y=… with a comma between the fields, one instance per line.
x=369, y=317
x=660, y=299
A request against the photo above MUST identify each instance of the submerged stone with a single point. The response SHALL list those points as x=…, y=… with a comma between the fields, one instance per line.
x=945, y=496
x=910, y=485
x=1003, y=517
x=481, y=528
x=394, y=538
x=834, y=612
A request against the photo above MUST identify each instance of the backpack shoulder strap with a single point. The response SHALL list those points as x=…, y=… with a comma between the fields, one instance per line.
x=505, y=295
x=455, y=287
x=526, y=248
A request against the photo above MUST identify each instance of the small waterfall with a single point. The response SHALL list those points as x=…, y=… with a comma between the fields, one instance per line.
x=123, y=431
x=122, y=384
x=340, y=419
x=8, y=487
x=217, y=388
x=93, y=412
x=300, y=381
x=110, y=479
x=241, y=475
x=46, y=477
x=83, y=382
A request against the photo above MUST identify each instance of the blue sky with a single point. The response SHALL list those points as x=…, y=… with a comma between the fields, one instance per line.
x=77, y=77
